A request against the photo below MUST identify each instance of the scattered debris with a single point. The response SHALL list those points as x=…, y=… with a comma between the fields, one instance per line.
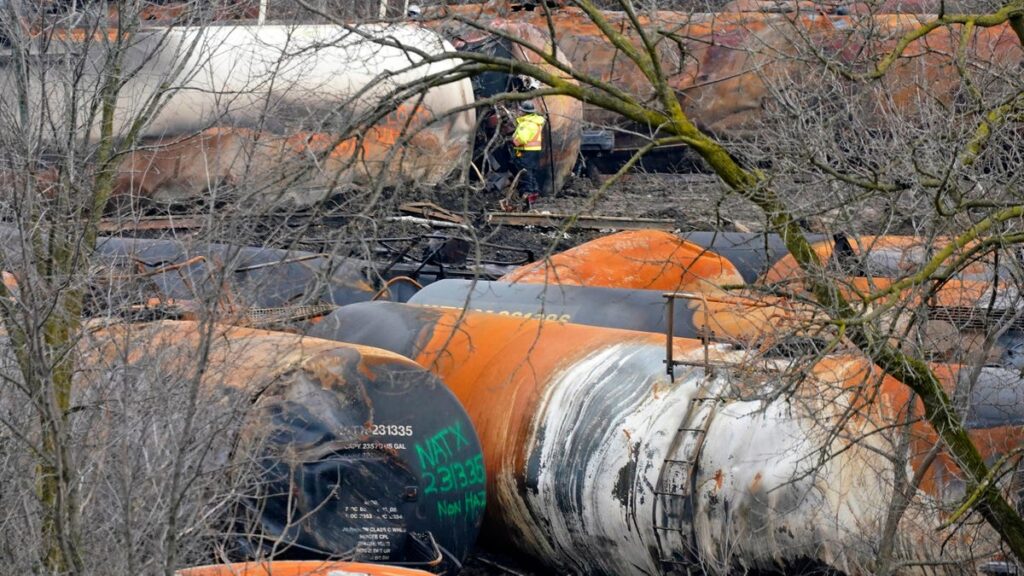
x=427, y=222
x=431, y=211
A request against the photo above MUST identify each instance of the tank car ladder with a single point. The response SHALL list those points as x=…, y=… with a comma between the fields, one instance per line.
x=675, y=492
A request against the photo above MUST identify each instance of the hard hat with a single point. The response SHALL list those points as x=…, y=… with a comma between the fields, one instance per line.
x=527, y=106
x=414, y=10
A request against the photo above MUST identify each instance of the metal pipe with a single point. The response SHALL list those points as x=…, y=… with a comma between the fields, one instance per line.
x=670, y=314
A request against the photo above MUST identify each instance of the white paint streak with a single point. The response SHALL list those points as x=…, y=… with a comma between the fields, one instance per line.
x=764, y=496
x=611, y=529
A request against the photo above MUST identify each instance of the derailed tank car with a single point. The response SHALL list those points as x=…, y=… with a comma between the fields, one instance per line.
x=599, y=463
x=725, y=65
x=642, y=259
x=748, y=322
x=277, y=94
x=347, y=451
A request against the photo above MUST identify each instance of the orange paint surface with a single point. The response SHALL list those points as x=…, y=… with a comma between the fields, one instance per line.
x=182, y=168
x=639, y=259
x=239, y=357
x=299, y=568
x=754, y=321
x=499, y=368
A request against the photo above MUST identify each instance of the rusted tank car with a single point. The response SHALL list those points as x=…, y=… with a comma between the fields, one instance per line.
x=974, y=302
x=355, y=452
x=282, y=80
x=724, y=65
x=992, y=397
x=599, y=463
x=641, y=259
x=977, y=301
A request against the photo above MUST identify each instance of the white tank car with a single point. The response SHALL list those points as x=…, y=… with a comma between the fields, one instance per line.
x=281, y=79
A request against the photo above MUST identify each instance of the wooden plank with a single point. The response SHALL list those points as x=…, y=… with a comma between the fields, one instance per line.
x=431, y=211
x=586, y=221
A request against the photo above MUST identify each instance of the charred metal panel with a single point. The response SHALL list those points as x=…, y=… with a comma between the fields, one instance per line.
x=358, y=453
x=641, y=259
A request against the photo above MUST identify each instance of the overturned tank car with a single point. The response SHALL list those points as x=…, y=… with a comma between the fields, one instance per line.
x=600, y=462
x=313, y=105
x=726, y=66
x=339, y=451
x=641, y=259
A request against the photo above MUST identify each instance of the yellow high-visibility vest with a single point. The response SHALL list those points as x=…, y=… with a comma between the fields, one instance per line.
x=529, y=134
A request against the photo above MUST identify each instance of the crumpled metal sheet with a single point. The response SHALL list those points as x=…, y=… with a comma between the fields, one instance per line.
x=355, y=450
x=595, y=467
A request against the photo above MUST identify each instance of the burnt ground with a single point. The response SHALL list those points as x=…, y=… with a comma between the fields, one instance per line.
x=691, y=201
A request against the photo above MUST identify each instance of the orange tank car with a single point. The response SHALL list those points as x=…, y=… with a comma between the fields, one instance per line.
x=724, y=65
x=599, y=463
x=975, y=301
x=300, y=568
x=641, y=259
x=873, y=263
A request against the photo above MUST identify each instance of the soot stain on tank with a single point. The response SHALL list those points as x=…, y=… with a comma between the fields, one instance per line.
x=623, y=490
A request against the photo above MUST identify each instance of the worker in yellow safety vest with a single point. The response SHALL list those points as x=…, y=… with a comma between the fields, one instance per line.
x=528, y=143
